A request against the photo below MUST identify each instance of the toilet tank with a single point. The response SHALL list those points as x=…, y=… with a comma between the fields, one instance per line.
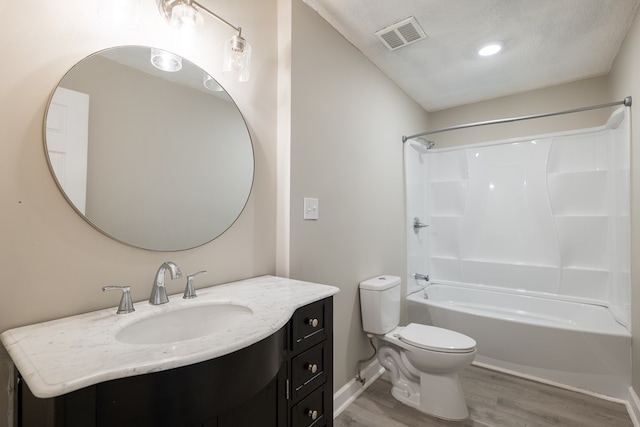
x=380, y=304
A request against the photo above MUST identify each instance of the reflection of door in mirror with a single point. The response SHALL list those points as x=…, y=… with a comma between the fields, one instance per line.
x=67, y=140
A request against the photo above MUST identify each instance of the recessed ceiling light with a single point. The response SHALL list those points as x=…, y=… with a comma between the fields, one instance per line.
x=490, y=49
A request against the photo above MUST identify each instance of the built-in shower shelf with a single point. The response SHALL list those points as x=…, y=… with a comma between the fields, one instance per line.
x=586, y=269
x=580, y=216
x=508, y=263
x=580, y=172
x=448, y=181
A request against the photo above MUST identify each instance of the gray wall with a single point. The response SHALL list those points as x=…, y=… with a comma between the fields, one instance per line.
x=558, y=98
x=346, y=150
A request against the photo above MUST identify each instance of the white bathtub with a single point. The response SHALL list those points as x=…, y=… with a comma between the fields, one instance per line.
x=562, y=342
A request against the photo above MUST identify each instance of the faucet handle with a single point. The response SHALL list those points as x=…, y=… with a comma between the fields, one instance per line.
x=126, y=304
x=190, y=290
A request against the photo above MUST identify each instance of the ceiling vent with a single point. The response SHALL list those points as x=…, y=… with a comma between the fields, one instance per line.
x=401, y=34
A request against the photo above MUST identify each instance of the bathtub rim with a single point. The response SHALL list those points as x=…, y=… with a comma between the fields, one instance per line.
x=616, y=328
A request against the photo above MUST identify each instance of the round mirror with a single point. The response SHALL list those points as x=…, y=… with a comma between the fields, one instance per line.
x=160, y=160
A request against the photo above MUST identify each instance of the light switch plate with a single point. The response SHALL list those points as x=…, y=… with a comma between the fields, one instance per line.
x=310, y=208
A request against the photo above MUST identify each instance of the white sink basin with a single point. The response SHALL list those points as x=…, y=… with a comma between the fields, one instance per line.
x=185, y=324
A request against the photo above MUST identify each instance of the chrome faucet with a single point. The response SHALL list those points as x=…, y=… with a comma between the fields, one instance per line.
x=159, y=291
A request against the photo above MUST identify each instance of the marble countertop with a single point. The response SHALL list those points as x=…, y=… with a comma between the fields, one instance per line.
x=67, y=354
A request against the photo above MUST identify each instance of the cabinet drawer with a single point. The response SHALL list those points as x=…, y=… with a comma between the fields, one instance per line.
x=308, y=326
x=308, y=370
x=310, y=411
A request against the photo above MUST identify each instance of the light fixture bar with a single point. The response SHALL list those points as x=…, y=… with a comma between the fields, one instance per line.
x=218, y=17
x=237, y=51
x=166, y=7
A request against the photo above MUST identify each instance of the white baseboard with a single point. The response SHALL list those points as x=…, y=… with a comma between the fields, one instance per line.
x=633, y=407
x=354, y=388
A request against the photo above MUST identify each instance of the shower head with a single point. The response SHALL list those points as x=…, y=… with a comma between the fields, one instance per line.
x=426, y=142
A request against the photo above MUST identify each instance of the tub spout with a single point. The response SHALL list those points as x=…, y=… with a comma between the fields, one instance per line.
x=419, y=276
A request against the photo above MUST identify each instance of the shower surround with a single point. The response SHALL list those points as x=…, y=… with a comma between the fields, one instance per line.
x=544, y=217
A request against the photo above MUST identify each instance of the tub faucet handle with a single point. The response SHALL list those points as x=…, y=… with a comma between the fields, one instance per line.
x=126, y=304
x=417, y=225
x=190, y=290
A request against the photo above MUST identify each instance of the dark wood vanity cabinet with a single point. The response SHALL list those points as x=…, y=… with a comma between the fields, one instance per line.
x=283, y=380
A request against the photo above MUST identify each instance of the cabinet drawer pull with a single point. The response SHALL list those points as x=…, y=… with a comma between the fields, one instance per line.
x=313, y=322
x=312, y=414
x=311, y=367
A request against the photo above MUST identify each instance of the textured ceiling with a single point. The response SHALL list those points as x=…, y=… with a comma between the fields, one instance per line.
x=546, y=42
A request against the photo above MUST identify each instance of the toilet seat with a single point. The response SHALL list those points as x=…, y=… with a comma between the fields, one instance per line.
x=436, y=339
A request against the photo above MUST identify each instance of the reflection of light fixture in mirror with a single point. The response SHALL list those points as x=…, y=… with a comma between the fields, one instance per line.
x=185, y=13
x=165, y=61
x=210, y=83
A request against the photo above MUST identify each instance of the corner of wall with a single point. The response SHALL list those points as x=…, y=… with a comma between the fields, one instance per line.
x=283, y=162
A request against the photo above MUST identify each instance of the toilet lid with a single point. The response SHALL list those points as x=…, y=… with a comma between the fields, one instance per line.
x=437, y=339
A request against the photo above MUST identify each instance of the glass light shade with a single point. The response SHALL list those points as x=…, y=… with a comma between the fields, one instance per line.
x=185, y=16
x=210, y=83
x=165, y=61
x=237, y=58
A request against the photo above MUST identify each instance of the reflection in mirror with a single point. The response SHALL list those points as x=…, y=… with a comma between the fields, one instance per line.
x=153, y=159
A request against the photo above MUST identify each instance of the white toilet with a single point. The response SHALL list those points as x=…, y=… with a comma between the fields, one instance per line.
x=423, y=361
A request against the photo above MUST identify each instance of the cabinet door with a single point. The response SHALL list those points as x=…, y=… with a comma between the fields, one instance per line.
x=75, y=409
x=266, y=409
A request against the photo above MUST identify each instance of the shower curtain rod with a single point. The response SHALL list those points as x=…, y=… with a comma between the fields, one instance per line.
x=626, y=102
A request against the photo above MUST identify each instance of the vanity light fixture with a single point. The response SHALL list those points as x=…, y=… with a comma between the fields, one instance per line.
x=165, y=61
x=186, y=13
x=490, y=49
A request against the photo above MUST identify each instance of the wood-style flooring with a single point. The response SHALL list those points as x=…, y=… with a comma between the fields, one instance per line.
x=495, y=400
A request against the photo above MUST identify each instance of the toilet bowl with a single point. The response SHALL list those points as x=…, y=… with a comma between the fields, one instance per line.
x=423, y=361
x=424, y=374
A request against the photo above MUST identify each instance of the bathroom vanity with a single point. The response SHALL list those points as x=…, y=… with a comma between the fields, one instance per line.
x=272, y=369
